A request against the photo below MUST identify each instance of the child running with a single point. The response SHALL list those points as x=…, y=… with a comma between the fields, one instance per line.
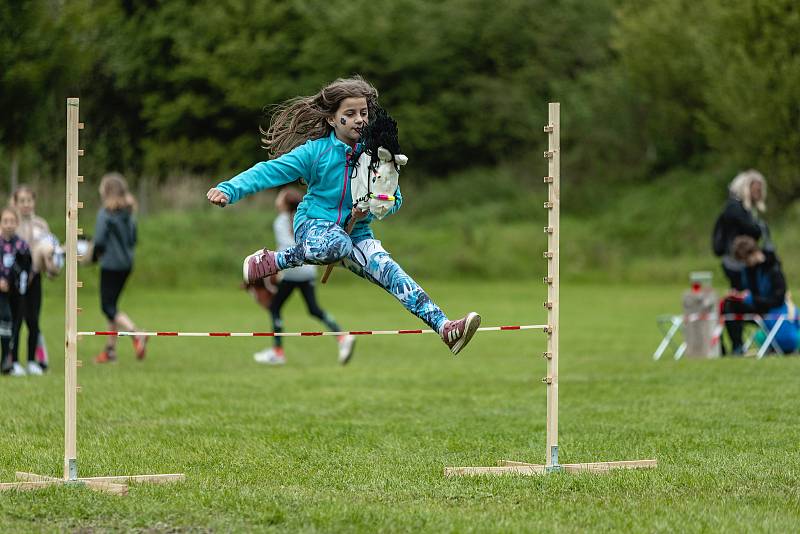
x=301, y=278
x=114, y=244
x=15, y=271
x=316, y=138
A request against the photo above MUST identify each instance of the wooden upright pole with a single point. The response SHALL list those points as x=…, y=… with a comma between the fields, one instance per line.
x=553, y=180
x=71, y=302
x=553, y=207
x=116, y=485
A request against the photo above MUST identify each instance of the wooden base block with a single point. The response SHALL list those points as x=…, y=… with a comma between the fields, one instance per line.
x=115, y=485
x=529, y=469
x=30, y=477
x=509, y=467
x=152, y=479
x=24, y=486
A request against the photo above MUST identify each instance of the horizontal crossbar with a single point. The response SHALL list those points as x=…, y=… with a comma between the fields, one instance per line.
x=542, y=327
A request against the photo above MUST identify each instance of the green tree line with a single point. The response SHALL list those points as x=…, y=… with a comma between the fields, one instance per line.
x=180, y=87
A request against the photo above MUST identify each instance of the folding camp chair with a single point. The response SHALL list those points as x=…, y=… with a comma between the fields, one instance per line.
x=770, y=333
x=671, y=325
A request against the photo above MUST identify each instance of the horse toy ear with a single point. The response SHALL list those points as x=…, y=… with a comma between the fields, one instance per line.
x=385, y=156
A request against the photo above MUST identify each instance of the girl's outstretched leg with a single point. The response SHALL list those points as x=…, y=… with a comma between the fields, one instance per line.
x=369, y=260
x=318, y=243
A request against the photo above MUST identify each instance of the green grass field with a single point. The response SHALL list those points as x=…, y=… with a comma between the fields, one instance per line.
x=315, y=447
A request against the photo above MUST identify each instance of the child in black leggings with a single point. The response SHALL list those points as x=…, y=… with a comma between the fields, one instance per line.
x=301, y=278
x=45, y=252
x=15, y=268
x=114, y=245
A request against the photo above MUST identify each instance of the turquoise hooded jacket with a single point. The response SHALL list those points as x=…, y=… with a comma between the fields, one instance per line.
x=325, y=164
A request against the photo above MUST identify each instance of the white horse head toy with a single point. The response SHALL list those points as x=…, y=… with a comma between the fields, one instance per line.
x=374, y=186
x=375, y=182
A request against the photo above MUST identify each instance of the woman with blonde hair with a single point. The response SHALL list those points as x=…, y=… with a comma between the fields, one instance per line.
x=47, y=256
x=741, y=216
x=114, y=246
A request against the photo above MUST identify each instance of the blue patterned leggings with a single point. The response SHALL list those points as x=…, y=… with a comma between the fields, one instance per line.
x=323, y=242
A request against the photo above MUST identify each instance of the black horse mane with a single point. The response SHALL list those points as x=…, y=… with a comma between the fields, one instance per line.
x=380, y=132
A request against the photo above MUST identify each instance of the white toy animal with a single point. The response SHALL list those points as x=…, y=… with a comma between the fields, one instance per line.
x=374, y=189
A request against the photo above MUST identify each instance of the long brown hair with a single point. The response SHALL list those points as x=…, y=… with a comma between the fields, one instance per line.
x=743, y=246
x=304, y=117
x=114, y=193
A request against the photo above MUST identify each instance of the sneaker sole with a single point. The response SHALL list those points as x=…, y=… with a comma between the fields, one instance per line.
x=472, y=323
x=267, y=361
x=141, y=353
x=271, y=362
x=346, y=359
x=244, y=269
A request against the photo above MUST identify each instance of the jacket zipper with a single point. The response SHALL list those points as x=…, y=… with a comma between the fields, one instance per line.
x=344, y=185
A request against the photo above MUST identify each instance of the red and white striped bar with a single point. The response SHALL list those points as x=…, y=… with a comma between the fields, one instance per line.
x=542, y=327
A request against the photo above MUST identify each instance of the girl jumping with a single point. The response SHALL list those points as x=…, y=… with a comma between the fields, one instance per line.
x=316, y=138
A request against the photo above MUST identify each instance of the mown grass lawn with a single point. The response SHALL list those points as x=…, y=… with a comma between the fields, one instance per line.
x=316, y=447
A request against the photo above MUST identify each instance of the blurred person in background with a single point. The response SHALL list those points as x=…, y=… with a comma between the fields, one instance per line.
x=47, y=258
x=741, y=216
x=301, y=278
x=114, y=245
x=763, y=292
x=15, y=269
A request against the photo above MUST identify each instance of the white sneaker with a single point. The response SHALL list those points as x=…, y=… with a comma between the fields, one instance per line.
x=17, y=370
x=270, y=357
x=346, y=345
x=35, y=369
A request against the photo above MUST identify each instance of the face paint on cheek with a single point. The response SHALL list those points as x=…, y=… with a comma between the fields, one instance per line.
x=343, y=121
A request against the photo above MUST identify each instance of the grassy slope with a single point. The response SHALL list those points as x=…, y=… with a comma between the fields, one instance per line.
x=314, y=447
